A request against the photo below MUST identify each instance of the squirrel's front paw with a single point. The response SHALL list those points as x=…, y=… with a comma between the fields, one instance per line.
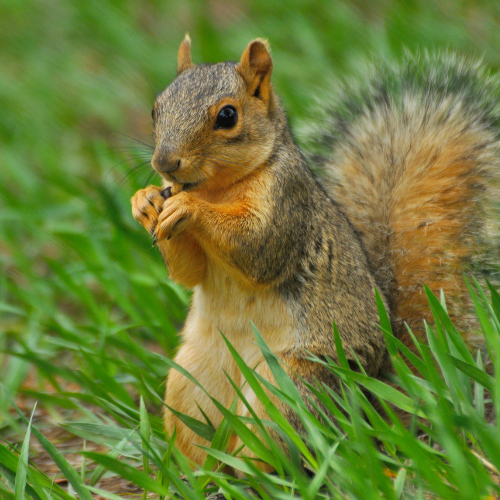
x=177, y=214
x=147, y=204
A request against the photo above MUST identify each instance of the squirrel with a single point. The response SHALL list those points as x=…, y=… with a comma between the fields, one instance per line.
x=401, y=192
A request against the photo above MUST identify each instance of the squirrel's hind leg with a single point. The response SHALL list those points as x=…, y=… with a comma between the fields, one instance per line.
x=184, y=396
x=258, y=408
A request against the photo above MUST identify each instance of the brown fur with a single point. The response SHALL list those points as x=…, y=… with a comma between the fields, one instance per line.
x=259, y=239
x=424, y=181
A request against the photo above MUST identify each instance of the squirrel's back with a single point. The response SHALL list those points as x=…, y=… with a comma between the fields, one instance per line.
x=413, y=157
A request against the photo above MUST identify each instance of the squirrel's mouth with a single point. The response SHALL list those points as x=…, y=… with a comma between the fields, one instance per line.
x=186, y=186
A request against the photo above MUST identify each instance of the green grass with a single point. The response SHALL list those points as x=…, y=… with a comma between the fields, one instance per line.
x=449, y=451
x=85, y=304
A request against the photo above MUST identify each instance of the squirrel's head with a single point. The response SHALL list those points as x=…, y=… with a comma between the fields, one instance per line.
x=215, y=123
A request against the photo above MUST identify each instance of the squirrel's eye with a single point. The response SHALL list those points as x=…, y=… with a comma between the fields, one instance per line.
x=227, y=117
x=153, y=113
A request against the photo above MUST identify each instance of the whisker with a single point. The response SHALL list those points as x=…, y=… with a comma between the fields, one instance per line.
x=126, y=177
x=134, y=140
x=128, y=160
x=133, y=171
x=220, y=160
x=221, y=168
x=206, y=178
x=107, y=175
x=139, y=166
x=226, y=169
x=155, y=94
x=142, y=157
x=224, y=161
x=150, y=176
x=133, y=149
x=241, y=167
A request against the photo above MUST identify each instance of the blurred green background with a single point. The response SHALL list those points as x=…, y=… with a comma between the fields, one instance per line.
x=82, y=293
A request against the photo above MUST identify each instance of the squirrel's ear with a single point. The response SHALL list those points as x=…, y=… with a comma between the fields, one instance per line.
x=184, y=56
x=255, y=67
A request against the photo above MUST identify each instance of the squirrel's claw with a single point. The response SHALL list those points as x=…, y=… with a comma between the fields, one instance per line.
x=147, y=204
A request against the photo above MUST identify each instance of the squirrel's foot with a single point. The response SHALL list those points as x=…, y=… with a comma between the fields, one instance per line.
x=147, y=204
x=177, y=214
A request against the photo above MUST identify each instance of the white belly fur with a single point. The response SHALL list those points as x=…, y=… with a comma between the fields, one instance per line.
x=222, y=304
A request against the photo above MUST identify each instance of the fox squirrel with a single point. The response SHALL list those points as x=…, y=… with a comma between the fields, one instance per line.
x=409, y=164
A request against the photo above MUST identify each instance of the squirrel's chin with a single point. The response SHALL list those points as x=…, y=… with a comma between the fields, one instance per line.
x=189, y=186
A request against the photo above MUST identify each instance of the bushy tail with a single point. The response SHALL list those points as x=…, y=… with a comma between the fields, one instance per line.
x=413, y=156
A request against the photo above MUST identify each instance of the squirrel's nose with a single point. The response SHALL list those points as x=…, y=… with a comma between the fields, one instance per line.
x=165, y=161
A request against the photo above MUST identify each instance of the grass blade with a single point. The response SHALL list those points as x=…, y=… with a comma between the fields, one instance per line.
x=127, y=471
x=69, y=472
x=145, y=428
x=22, y=466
